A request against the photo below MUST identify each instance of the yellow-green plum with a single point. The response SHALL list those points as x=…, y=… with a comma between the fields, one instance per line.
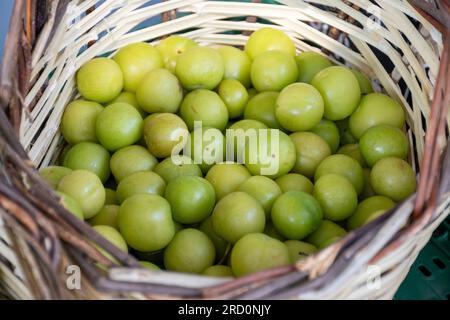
x=238, y=136
x=110, y=196
x=345, y=134
x=326, y=231
x=135, y=61
x=340, y=91
x=364, y=83
x=218, y=271
x=78, y=121
x=299, y=107
x=299, y=250
x=119, y=125
x=163, y=132
x=142, y=182
x=129, y=98
x=205, y=106
x=227, y=177
x=263, y=189
x=192, y=199
x=190, y=251
x=200, y=68
x=367, y=190
x=393, y=178
x=86, y=188
x=171, y=47
x=375, y=109
x=113, y=236
x=296, y=214
x=219, y=244
x=273, y=232
x=131, y=159
x=107, y=216
x=149, y=265
x=257, y=252
x=234, y=95
x=261, y=107
x=54, y=174
x=366, y=208
x=268, y=39
x=273, y=70
x=169, y=170
x=336, y=195
x=89, y=156
x=329, y=132
x=309, y=63
x=71, y=205
x=343, y=165
x=100, y=80
x=383, y=141
x=237, y=64
x=145, y=222
x=236, y=215
x=295, y=182
x=252, y=92
x=353, y=150
x=159, y=91
x=311, y=149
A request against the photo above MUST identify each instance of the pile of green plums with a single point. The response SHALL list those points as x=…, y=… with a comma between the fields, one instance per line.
x=131, y=166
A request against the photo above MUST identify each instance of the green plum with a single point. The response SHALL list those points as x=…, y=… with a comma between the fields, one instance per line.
x=119, y=125
x=100, y=80
x=168, y=170
x=110, y=196
x=353, y=150
x=311, y=149
x=366, y=208
x=310, y=63
x=237, y=64
x=272, y=154
x=107, y=216
x=383, y=141
x=234, y=95
x=261, y=107
x=236, y=215
x=113, y=236
x=273, y=232
x=205, y=106
x=343, y=165
x=159, y=91
x=299, y=107
x=86, y=188
x=163, y=133
x=340, y=91
x=54, y=174
x=131, y=159
x=296, y=214
x=295, y=182
x=367, y=190
x=89, y=156
x=200, y=68
x=238, y=136
x=263, y=189
x=273, y=70
x=329, y=242
x=218, y=271
x=268, y=39
x=364, y=83
x=257, y=252
x=170, y=49
x=393, y=178
x=135, y=61
x=129, y=98
x=226, y=178
x=299, y=250
x=329, y=132
x=145, y=222
x=219, y=244
x=71, y=205
x=190, y=251
x=375, y=109
x=326, y=231
x=192, y=199
x=78, y=121
x=149, y=265
x=336, y=195
x=141, y=182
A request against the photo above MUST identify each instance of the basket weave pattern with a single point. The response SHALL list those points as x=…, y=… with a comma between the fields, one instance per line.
x=39, y=238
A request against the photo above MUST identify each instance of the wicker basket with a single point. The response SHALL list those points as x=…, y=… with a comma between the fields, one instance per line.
x=42, y=246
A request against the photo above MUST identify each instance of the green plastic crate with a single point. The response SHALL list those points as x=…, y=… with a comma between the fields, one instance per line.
x=429, y=277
